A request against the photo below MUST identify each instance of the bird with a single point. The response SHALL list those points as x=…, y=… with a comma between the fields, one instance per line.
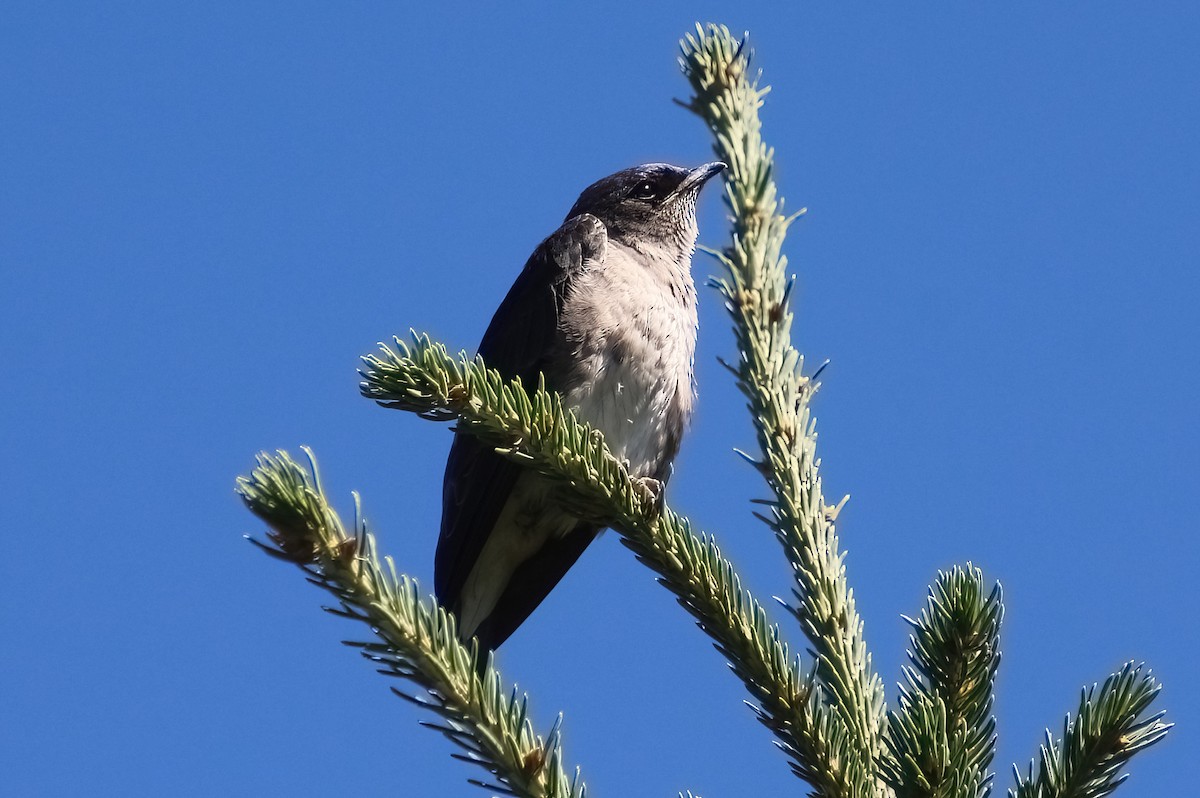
x=604, y=311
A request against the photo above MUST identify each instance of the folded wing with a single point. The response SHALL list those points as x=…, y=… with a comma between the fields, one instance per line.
x=523, y=340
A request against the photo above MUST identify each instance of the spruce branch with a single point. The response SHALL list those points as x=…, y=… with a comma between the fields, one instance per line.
x=942, y=738
x=1109, y=727
x=539, y=432
x=417, y=640
x=756, y=290
x=831, y=721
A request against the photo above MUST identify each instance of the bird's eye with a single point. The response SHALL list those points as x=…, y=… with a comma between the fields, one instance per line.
x=644, y=190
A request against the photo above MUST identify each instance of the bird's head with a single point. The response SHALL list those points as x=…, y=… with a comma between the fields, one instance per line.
x=652, y=204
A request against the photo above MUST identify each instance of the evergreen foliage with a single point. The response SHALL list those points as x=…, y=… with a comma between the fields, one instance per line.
x=1109, y=727
x=417, y=639
x=828, y=715
x=756, y=289
x=942, y=737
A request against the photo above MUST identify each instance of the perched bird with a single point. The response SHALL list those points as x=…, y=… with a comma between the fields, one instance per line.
x=605, y=308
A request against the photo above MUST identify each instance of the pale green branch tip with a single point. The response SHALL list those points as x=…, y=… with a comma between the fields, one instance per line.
x=418, y=640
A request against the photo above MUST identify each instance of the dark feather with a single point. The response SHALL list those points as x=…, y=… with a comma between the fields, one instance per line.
x=523, y=340
x=532, y=582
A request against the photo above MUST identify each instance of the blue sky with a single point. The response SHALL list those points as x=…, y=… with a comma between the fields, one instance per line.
x=207, y=214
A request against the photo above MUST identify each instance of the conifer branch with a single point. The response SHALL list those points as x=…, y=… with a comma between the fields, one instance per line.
x=1109, y=727
x=943, y=736
x=417, y=640
x=831, y=721
x=537, y=431
x=756, y=290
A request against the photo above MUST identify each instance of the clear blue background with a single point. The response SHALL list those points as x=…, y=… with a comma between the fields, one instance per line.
x=208, y=213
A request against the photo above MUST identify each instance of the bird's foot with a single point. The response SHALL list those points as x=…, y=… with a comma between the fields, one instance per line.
x=651, y=491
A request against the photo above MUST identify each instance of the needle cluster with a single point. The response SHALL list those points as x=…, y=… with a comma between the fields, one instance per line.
x=828, y=715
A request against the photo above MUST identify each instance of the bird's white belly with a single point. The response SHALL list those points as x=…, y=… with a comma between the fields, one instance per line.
x=634, y=377
x=629, y=408
x=633, y=341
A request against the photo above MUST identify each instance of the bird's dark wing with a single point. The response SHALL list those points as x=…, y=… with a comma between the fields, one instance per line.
x=531, y=582
x=523, y=340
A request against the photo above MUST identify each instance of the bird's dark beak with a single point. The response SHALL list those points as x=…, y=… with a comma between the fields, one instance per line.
x=699, y=176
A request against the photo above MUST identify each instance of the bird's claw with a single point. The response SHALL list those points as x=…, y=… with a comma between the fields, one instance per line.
x=652, y=493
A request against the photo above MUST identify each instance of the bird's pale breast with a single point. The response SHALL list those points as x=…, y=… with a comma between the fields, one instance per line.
x=633, y=336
